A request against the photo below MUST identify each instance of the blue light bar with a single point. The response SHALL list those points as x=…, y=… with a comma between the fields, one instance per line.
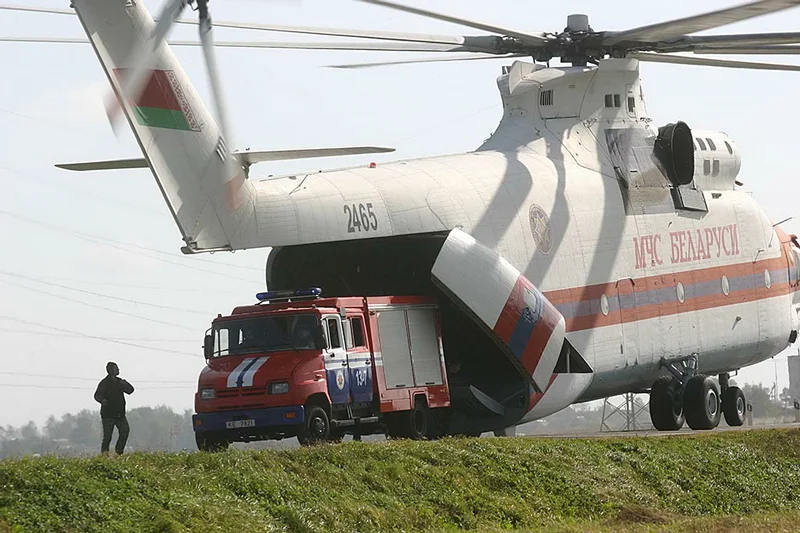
x=313, y=292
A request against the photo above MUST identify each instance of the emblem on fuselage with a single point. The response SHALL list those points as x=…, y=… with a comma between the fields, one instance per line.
x=540, y=227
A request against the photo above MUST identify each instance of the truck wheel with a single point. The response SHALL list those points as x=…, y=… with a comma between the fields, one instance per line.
x=734, y=406
x=418, y=421
x=316, y=428
x=210, y=442
x=701, y=403
x=665, y=413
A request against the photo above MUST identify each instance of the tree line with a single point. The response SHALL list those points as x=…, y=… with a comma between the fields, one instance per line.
x=152, y=429
x=163, y=429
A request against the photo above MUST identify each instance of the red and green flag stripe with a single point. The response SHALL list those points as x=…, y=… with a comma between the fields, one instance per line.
x=159, y=106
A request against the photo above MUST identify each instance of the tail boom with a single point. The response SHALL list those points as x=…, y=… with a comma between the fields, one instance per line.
x=204, y=186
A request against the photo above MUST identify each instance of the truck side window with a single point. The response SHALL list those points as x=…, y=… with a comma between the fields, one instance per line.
x=358, y=331
x=222, y=347
x=333, y=333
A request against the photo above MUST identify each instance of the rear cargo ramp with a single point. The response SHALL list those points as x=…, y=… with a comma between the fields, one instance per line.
x=529, y=329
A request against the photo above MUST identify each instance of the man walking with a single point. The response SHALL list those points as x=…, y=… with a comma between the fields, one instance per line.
x=110, y=394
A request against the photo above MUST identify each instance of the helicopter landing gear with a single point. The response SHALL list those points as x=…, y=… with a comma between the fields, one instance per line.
x=734, y=403
x=701, y=402
x=666, y=404
x=691, y=397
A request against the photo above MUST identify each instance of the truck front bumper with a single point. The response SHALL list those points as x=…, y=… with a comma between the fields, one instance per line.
x=249, y=419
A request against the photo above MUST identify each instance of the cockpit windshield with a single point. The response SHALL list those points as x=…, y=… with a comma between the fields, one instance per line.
x=267, y=334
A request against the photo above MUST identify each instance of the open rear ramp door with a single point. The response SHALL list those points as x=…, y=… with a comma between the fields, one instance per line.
x=520, y=320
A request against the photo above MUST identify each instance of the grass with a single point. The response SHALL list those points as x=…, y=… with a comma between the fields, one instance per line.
x=703, y=482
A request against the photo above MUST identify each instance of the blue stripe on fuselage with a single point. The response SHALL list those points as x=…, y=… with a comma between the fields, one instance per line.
x=527, y=320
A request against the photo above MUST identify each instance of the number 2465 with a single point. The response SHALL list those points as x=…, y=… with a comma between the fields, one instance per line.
x=360, y=217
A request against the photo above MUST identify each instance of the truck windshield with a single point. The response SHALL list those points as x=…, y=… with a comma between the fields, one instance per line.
x=267, y=334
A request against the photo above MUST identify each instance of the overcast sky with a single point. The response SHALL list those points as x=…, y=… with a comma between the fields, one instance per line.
x=64, y=236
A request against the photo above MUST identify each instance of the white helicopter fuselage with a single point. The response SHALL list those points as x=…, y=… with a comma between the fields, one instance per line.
x=636, y=279
x=563, y=193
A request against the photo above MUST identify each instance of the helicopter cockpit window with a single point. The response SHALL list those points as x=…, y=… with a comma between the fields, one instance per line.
x=711, y=145
x=631, y=104
x=715, y=168
x=700, y=143
x=609, y=100
x=706, y=167
x=728, y=146
x=617, y=101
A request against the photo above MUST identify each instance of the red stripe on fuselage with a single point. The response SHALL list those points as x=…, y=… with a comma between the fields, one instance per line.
x=670, y=281
x=542, y=332
x=510, y=314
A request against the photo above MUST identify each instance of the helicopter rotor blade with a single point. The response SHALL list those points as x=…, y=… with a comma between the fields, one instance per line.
x=534, y=39
x=672, y=29
x=694, y=43
x=753, y=39
x=707, y=62
x=303, y=30
x=359, y=47
x=207, y=42
x=746, y=50
x=336, y=32
x=423, y=60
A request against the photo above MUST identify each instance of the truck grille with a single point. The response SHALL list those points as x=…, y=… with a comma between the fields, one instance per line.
x=238, y=392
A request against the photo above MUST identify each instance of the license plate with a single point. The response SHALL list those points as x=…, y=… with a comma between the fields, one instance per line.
x=233, y=424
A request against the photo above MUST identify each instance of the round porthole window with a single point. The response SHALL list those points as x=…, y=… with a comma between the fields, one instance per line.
x=726, y=286
x=604, y=304
x=767, y=279
x=681, y=292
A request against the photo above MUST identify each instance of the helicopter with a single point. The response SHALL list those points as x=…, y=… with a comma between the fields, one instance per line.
x=580, y=252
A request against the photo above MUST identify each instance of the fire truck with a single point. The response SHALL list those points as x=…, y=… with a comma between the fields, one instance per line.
x=297, y=364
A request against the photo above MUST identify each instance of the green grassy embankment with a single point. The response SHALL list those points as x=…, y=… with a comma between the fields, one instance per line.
x=696, y=482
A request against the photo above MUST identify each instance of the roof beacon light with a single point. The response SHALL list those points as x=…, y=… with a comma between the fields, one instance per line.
x=313, y=292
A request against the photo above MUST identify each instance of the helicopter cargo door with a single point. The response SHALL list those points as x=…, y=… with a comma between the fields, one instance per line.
x=508, y=307
x=629, y=342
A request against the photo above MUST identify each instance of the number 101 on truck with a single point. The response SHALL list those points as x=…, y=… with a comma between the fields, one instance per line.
x=299, y=365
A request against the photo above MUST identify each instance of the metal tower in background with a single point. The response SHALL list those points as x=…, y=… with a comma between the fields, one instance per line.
x=631, y=414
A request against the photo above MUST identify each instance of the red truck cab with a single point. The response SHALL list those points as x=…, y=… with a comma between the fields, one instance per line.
x=297, y=364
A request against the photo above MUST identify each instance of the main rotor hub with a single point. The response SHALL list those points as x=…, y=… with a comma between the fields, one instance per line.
x=578, y=23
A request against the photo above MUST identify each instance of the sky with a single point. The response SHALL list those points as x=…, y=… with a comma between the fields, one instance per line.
x=90, y=266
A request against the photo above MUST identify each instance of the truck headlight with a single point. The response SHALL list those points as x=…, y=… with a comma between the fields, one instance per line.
x=207, y=394
x=279, y=388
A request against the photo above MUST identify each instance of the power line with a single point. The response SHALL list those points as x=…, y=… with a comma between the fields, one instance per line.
x=78, y=190
x=66, y=387
x=140, y=247
x=110, y=297
x=120, y=245
x=102, y=307
x=70, y=336
x=96, y=337
x=139, y=287
x=27, y=374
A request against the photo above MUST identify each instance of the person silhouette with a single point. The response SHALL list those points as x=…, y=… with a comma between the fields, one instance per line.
x=110, y=394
